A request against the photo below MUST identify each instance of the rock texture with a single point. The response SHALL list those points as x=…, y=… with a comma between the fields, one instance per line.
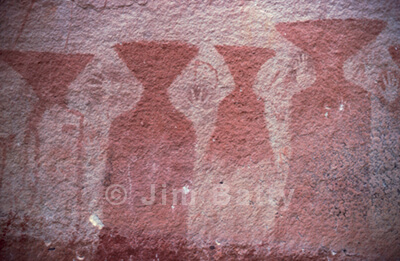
x=199, y=130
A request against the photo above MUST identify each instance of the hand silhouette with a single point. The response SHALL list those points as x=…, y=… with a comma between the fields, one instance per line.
x=198, y=94
x=390, y=86
x=204, y=84
x=301, y=65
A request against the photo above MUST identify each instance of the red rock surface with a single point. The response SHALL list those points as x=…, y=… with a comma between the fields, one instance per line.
x=265, y=130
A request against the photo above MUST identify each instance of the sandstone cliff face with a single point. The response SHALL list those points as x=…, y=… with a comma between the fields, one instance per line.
x=199, y=130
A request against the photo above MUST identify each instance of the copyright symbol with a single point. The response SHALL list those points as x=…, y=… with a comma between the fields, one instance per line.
x=116, y=194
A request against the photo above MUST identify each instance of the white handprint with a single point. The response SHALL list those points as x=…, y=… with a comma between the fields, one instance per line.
x=301, y=67
x=390, y=83
x=204, y=84
x=198, y=94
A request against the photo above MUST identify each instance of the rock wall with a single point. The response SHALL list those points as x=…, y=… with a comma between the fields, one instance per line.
x=199, y=130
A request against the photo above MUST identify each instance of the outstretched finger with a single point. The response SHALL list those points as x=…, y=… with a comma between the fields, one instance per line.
x=385, y=80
